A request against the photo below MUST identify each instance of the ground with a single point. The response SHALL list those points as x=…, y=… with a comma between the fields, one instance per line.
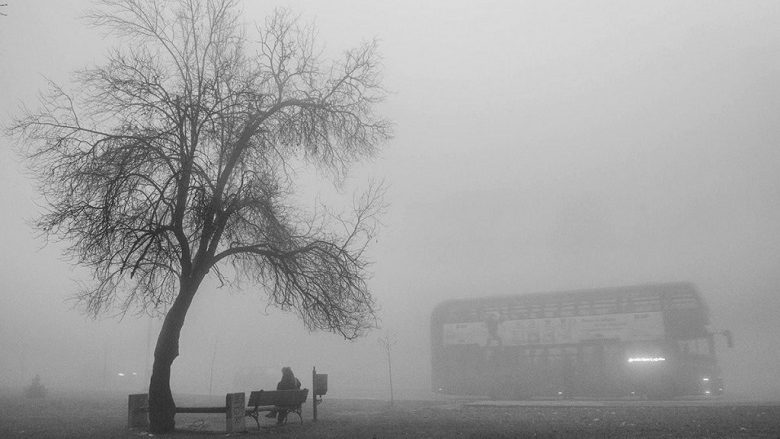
x=105, y=416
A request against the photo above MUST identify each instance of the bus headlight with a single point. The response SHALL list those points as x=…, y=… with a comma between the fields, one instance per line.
x=646, y=359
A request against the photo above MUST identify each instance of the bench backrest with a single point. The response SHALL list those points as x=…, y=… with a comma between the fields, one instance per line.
x=282, y=398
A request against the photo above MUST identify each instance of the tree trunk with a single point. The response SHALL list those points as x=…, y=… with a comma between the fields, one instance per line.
x=162, y=409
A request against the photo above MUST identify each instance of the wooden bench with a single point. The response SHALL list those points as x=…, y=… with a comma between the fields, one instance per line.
x=269, y=400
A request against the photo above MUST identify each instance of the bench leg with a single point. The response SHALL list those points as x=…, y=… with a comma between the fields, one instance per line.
x=255, y=416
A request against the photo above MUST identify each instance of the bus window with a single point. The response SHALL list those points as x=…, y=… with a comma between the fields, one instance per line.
x=696, y=346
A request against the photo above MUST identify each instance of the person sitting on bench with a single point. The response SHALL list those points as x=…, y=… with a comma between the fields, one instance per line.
x=288, y=382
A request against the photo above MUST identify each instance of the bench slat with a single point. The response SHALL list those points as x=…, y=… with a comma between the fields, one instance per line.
x=201, y=409
x=280, y=398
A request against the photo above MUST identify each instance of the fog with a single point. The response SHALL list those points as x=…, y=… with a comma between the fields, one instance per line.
x=539, y=146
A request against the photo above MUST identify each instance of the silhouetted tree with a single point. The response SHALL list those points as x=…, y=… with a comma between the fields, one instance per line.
x=176, y=159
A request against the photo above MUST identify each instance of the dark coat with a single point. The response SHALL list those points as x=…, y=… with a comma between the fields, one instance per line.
x=288, y=382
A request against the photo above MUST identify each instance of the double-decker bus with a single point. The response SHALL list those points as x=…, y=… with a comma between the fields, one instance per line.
x=646, y=340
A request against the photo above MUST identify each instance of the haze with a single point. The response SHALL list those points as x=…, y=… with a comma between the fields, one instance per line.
x=539, y=146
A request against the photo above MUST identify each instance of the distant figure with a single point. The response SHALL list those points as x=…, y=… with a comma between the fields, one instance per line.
x=35, y=389
x=288, y=382
x=492, y=322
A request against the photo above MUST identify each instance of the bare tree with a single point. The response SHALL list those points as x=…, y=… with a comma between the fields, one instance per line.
x=176, y=159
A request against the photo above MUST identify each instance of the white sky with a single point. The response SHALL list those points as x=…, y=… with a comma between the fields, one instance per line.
x=539, y=146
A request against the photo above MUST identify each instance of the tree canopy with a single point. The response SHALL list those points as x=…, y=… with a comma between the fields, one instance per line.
x=179, y=153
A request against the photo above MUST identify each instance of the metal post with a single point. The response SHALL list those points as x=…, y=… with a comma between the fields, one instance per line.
x=211, y=370
x=314, y=392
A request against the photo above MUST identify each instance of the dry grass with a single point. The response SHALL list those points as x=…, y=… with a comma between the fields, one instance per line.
x=105, y=416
